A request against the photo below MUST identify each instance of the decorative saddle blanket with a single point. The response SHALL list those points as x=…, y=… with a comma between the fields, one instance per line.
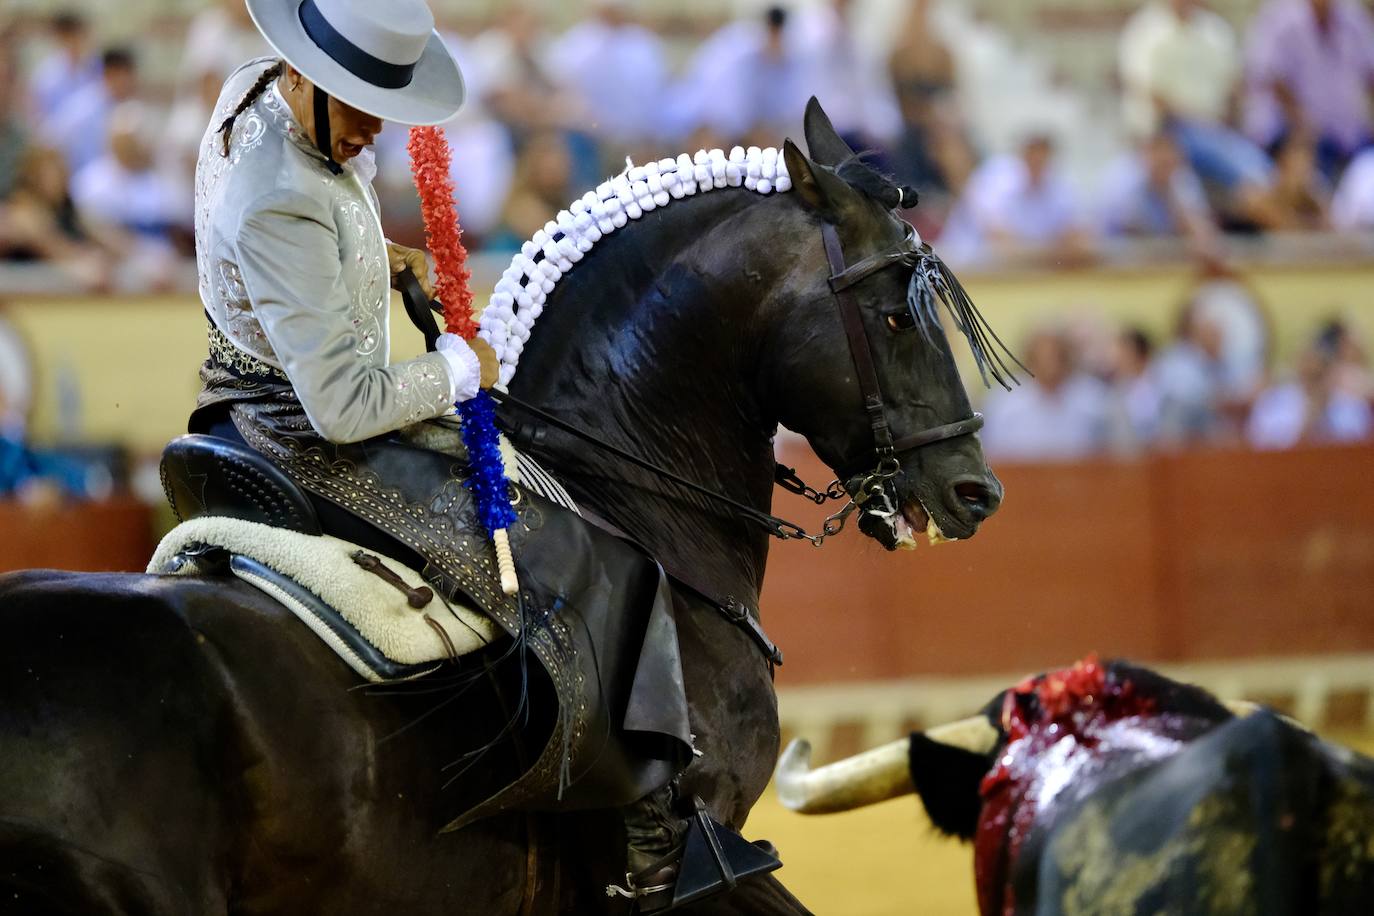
x=378, y=615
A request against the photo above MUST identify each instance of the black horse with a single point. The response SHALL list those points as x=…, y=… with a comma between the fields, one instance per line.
x=173, y=746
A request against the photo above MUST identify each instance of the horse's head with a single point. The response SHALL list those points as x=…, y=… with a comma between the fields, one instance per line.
x=820, y=380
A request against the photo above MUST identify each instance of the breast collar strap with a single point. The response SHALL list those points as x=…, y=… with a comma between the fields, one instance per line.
x=907, y=252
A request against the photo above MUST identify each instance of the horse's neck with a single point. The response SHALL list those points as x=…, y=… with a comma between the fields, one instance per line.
x=649, y=344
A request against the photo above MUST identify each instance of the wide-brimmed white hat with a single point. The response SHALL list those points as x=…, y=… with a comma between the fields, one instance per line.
x=379, y=56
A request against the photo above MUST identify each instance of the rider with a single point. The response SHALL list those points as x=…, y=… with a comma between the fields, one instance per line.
x=294, y=274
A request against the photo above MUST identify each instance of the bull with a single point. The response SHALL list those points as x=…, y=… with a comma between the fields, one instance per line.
x=1106, y=788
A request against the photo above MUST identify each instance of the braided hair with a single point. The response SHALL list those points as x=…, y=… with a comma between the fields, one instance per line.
x=258, y=88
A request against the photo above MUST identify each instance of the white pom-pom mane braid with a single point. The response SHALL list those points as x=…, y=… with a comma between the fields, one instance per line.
x=524, y=288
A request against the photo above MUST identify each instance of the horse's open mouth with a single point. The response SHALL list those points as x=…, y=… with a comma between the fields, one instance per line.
x=902, y=530
x=913, y=521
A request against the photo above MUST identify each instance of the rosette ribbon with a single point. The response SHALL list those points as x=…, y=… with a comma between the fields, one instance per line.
x=430, y=158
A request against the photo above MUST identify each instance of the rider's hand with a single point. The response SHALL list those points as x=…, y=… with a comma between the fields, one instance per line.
x=473, y=362
x=491, y=366
x=399, y=257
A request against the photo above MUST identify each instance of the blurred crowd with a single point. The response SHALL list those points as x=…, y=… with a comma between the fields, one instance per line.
x=1100, y=390
x=1257, y=130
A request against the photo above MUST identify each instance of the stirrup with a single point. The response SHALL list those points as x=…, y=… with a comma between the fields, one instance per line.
x=714, y=859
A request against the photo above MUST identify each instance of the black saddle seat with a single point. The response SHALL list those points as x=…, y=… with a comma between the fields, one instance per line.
x=206, y=475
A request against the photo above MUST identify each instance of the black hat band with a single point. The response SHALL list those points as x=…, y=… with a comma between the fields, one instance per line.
x=349, y=56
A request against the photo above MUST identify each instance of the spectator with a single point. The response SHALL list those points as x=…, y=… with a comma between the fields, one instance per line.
x=1310, y=67
x=40, y=223
x=850, y=81
x=1310, y=410
x=745, y=83
x=1155, y=193
x=1230, y=305
x=1059, y=414
x=1352, y=206
x=539, y=191
x=1018, y=203
x=1136, y=391
x=1180, y=65
x=124, y=190
x=517, y=87
x=932, y=153
x=1300, y=197
x=124, y=187
x=1191, y=375
x=66, y=70
x=80, y=128
x=1352, y=375
x=14, y=137
x=618, y=71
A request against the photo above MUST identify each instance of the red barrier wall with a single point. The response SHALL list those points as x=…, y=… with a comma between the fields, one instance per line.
x=1196, y=556
x=113, y=535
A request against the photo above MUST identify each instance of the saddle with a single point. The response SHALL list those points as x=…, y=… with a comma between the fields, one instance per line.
x=240, y=514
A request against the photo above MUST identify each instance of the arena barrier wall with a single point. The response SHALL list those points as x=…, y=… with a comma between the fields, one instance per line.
x=1211, y=555
x=111, y=535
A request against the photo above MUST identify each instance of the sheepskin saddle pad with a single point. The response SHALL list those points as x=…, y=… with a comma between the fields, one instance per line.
x=378, y=615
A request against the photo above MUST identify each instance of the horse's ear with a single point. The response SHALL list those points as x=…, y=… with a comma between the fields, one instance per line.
x=818, y=187
x=823, y=142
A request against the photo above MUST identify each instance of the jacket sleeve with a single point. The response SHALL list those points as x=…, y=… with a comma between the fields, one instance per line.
x=288, y=252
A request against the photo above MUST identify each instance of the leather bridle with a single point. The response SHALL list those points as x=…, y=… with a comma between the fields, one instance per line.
x=909, y=253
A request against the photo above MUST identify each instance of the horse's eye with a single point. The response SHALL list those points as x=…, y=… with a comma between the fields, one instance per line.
x=901, y=321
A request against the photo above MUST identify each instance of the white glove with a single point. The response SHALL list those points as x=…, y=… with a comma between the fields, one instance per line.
x=465, y=369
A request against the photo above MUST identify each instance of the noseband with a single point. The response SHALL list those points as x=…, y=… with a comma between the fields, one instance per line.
x=909, y=252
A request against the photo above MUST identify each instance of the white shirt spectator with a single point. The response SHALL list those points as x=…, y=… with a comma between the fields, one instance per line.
x=78, y=129
x=55, y=79
x=1001, y=200
x=618, y=72
x=143, y=201
x=1131, y=205
x=733, y=84
x=1352, y=207
x=1191, y=63
x=1190, y=386
x=124, y=187
x=1280, y=419
x=1030, y=423
x=848, y=76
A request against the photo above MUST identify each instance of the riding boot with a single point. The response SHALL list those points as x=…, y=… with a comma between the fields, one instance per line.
x=672, y=861
x=653, y=838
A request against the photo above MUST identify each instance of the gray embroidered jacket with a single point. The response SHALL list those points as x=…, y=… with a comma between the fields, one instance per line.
x=294, y=275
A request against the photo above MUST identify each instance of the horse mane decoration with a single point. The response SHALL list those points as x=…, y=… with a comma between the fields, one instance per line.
x=524, y=288
x=429, y=161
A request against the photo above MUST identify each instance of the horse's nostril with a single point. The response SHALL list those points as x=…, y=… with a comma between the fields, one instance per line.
x=976, y=497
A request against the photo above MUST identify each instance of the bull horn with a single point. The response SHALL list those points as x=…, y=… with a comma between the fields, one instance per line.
x=975, y=734
x=854, y=782
x=871, y=777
